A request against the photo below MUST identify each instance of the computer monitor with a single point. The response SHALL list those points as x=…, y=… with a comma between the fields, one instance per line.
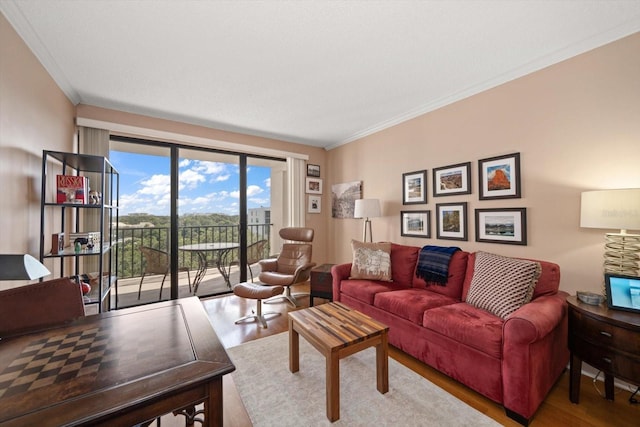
x=623, y=292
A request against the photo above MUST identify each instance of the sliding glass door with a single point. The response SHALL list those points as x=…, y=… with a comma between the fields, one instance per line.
x=210, y=214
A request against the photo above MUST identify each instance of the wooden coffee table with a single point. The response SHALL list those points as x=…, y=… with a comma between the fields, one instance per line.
x=338, y=331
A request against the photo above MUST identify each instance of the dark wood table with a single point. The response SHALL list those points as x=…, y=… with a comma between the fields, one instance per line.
x=116, y=368
x=321, y=283
x=338, y=331
x=606, y=339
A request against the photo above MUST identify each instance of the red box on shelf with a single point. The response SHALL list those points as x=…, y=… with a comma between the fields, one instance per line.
x=72, y=189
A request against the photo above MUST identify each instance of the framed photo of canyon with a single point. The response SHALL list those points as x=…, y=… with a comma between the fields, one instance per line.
x=499, y=177
x=453, y=179
x=505, y=225
x=451, y=221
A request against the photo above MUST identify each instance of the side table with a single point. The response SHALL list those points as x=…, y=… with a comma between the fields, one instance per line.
x=321, y=283
x=608, y=340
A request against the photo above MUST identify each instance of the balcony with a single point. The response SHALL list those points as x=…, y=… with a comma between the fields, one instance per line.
x=131, y=262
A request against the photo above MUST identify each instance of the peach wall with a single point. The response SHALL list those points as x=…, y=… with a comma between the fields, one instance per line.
x=35, y=115
x=576, y=126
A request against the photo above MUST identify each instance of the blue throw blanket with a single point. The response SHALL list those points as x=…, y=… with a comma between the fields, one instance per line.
x=433, y=263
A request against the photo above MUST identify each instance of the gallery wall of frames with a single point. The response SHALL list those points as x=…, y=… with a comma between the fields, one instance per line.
x=498, y=178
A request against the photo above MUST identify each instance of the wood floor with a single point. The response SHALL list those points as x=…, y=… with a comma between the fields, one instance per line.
x=556, y=410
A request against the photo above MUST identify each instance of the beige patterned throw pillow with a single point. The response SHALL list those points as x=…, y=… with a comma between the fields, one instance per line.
x=371, y=261
x=501, y=284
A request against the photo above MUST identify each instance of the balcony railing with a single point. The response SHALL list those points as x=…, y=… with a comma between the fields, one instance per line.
x=131, y=263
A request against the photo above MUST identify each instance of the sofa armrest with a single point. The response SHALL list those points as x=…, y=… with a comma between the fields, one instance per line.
x=339, y=272
x=534, y=352
x=536, y=319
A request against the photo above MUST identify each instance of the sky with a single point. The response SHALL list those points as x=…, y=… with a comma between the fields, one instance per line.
x=204, y=187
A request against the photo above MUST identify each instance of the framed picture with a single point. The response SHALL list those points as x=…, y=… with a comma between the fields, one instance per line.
x=414, y=186
x=453, y=179
x=451, y=221
x=505, y=225
x=499, y=177
x=313, y=170
x=314, y=186
x=415, y=223
x=343, y=198
x=315, y=204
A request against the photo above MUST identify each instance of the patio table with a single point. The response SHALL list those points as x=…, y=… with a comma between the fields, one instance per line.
x=220, y=252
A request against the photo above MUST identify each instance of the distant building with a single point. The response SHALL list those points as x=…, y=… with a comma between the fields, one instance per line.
x=259, y=215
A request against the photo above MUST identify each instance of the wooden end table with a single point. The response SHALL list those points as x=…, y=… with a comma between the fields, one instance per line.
x=321, y=282
x=606, y=339
x=338, y=331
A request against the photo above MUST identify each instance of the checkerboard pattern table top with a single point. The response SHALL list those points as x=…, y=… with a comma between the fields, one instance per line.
x=97, y=355
x=337, y=325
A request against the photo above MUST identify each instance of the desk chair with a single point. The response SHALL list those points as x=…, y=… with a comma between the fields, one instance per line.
x=292, y=265
x=157, y=262
x=40, y=305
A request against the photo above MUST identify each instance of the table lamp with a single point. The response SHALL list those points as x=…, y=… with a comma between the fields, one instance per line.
x=21, y=267
x=615, y=209
x=366, y=208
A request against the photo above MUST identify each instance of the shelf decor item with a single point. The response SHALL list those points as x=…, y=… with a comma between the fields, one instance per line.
x=499, y=177
x=414, y=187
x=72, y=189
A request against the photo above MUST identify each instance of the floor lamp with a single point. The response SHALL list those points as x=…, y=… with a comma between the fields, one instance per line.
x=615, y=209
x=367, y=208
x=21, y=267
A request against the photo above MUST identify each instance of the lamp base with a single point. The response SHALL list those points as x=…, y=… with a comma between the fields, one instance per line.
x=622, y=253
x=367, y=226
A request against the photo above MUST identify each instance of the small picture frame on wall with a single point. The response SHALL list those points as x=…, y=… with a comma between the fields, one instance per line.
x=451, y=221
x=452, y=180
x=313, y=170
x=315, y=204
x=503, y=225
x=313, y=186
x=415, y=223
x=414, y=186
x=499, y=177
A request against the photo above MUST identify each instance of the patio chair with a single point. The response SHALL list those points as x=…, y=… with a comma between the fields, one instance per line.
x=157, y=262
x=255, y=253
x=292, y=265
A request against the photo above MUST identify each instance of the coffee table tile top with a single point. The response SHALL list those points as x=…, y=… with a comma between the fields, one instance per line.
x=337, y=325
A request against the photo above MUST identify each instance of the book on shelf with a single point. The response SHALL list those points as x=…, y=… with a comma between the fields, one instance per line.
x=72, y=189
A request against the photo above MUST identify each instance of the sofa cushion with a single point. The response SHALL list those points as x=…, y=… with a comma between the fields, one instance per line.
x=453, y=287
x=403, y=263
x=371, y=261
x=468, y=325
x=411, y=303
x=548, y=282
x=501, y=284
x=366, y=290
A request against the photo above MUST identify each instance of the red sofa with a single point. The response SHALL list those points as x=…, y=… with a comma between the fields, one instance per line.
x=514, y=362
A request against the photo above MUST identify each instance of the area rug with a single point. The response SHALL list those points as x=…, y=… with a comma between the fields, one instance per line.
x=273, y=396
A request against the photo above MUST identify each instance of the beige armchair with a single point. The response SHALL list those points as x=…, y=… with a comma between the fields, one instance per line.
x=292, y=265
x=40, y=305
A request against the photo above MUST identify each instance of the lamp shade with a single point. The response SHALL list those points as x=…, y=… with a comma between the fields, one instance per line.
x=21, y=267
x=611, y=209
x=366, y=208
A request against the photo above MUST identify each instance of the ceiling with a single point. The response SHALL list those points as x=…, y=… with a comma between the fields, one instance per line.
x=320, y=73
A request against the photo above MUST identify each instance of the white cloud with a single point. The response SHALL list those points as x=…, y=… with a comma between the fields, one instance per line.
x=252, y=190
